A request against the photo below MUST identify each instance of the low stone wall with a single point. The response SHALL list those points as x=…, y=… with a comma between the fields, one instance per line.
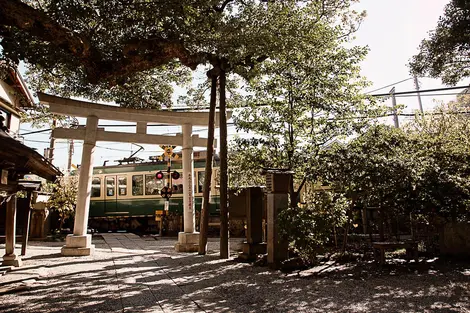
x=454, y=239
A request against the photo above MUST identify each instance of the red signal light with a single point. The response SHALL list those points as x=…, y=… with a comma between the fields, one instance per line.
x=159, y=175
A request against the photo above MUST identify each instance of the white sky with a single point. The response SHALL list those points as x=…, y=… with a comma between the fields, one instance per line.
x=393, y=30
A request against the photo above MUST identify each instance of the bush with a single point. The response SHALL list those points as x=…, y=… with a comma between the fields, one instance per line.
x=309, y=226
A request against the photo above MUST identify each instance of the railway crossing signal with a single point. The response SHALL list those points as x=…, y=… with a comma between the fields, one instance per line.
x=175, y=175
x=166, y=192
x=168, y=152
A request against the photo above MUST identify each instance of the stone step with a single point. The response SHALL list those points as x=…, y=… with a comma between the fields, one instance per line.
x=4, y=269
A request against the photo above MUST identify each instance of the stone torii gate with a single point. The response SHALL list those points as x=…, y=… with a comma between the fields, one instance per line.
x=80, y=242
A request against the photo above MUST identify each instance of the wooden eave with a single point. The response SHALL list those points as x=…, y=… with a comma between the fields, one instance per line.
x=25, y=98
x=19, y=158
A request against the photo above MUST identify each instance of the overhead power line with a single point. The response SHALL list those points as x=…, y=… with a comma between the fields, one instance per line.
x=399, y=82
x=431, y=95
x=36, y=132
x=420, y=91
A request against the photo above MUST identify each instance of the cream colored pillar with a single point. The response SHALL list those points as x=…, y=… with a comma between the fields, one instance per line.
x=10, y=258
x=80, y=242
x=188, y=241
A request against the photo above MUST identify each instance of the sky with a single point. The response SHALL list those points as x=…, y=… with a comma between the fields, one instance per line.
x=393, y=30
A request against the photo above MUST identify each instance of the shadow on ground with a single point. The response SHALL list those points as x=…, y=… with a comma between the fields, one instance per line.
x=151, y=277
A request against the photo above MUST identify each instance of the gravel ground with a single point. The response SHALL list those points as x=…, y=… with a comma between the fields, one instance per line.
x=132, y=274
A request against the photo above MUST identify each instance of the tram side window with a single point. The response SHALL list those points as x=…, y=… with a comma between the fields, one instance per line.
x=122, y=185
x=216, y=176
x=200, y=181
x=216, y=184
x=96, y=187
x=153, y=185
x=137, y=185
x=110, y=186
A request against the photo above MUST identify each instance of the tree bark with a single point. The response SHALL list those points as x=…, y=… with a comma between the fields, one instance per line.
x=224, y=215
x=204, y=224
x=52, y=143
x=290, y=151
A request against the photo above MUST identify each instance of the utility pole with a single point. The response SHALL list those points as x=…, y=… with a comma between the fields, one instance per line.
x=69, y=163
x=418, y=93
x=394, y=106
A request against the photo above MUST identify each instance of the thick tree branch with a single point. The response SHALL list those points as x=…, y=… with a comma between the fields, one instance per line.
x=222, y=6
x=18, y=14
x=138, y=55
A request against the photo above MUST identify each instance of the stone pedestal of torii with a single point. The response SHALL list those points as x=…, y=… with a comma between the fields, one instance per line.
x=188, y=241
x=79, y=243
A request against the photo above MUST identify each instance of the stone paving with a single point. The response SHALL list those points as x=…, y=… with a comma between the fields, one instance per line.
x=128, y=273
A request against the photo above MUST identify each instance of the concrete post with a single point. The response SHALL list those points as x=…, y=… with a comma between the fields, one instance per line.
x=277, y=183
x=27, y=219
x=80, y=243
x=10, y=258
x=188, y=186
x=188, y=241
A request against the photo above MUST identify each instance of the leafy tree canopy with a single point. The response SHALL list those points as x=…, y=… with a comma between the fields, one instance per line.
x=132, y=52
x=304, y=99
x=446, y=53
x=64, y=197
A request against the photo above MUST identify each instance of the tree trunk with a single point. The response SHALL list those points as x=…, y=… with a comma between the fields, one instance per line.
x=336, y=237
x=345, y=237
x=224, y=231
x=52, y=143
x=381, y=224
x=204, y=225
x=290, y=153
x=348, y=226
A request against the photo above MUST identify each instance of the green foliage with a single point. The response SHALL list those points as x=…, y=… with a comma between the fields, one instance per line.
x=445, y=142
x=422, y=169
x=376, y=169
x=310, y=226
x=64, y=197
x=303, y=98
x=446, y=53
x=151, y=89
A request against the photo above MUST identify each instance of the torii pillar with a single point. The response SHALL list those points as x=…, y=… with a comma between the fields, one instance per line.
x=79, y=243
x=188, y=241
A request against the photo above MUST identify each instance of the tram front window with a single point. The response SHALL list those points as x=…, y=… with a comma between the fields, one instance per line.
x=153, y=185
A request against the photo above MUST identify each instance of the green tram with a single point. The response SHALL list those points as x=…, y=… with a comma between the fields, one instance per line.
x=127, y=196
